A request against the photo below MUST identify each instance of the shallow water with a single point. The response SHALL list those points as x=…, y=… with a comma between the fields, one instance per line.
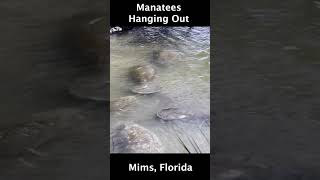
x=185, y=82
x=266, y=86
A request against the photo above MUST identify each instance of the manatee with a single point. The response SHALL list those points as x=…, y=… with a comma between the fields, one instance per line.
x=133, y=138
x=165, y=57
x=122, y=103
x=142, y=73
x=145, y=89
x=170, y=114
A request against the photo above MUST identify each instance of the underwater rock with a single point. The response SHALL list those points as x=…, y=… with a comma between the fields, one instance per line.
x=122, y=102
x=133, y=138
x=142, y=73
x=170, y=114
x=145, y=89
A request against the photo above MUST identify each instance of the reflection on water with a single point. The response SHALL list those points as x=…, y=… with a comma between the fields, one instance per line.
x=184, y=81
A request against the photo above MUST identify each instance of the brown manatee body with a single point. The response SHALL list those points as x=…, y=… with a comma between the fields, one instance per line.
x=133, y=138
x=142, y=73
x=165, y=57
x=122, y=102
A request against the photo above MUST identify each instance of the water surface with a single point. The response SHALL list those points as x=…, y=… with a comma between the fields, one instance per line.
x=185, y=82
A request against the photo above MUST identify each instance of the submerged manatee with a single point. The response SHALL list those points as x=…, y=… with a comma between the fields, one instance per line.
x=165, y=57
x=170, y=114
x=122, y=102
x=133, y=138
x=145, y=89
x=142, y=73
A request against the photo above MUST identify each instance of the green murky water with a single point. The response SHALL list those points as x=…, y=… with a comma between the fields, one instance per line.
x=185, y=81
